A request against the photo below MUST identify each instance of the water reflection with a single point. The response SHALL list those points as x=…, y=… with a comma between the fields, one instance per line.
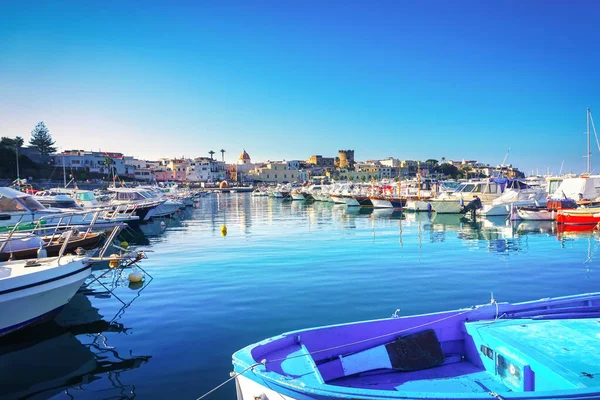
x=61, y=355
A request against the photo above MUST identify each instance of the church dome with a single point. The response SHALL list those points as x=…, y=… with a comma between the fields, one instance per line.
x=244, y=156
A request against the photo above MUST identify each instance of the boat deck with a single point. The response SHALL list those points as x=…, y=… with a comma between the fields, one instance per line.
x=462, y=377
x=562, y=352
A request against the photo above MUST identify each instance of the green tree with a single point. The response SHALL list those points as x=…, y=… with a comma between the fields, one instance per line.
x=12, y=143
x=7, y=142
x=448, y=170
x=41, y=139
x=363, y=178
x=108, y=162
x=433, y=161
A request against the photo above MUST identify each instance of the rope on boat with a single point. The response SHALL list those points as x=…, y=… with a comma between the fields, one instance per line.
x=264, y=362
x=233, y=376
x=369, y=339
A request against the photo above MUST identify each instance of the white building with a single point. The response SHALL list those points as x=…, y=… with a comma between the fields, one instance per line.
x=205, y=169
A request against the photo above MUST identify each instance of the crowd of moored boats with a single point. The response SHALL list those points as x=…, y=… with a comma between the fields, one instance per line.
x=568, y=200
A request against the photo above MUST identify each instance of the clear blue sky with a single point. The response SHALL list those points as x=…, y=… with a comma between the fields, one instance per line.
x=287, y=79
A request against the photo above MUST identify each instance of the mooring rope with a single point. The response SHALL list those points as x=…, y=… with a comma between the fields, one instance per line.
x=233, y=376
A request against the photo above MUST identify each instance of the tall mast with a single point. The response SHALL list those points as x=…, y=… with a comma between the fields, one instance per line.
x=18, y=174
x=64, y=170
x=589, y=148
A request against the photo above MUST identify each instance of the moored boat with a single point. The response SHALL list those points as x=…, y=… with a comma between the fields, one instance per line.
x=32, y=290
x=543, y=349
x=579, y=216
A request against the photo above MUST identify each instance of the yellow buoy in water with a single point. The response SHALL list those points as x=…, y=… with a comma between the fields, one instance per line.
x=135, y=276
x=113, y=263
x=224, y=230
x=124, y=245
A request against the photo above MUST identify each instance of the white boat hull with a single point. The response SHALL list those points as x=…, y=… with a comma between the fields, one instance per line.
x=338, y=200
x=502, y=210
x=418, y=205
x=298, y=196
x=28, y=298
x=538, y=215
x=379, y=203
x=247, y=389
x=446, y=206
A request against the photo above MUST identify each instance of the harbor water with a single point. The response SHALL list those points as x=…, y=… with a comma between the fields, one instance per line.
x=281, y=266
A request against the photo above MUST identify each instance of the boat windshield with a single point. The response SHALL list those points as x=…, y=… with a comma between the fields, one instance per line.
x=129, y=196
x=146, y=194
x=64, y=204
x=465, y=187
x=85, y=196
x=31, y=204
x=10, y=205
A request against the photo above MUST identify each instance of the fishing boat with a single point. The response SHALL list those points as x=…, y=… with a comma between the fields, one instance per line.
x=543, y=349
x=579, y=216
x=25, y=245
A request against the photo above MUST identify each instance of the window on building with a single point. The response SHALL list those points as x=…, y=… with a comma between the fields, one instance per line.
x=275, y=176
x=292, y=176
x=285, y=175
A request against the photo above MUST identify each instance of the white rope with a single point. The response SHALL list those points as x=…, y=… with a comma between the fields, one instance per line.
x=368, y=339
x=235, y=375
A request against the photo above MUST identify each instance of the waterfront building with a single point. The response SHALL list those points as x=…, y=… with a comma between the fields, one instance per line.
x=390, y=162
x=277, y=172
x=205, y=169
x=92, y=161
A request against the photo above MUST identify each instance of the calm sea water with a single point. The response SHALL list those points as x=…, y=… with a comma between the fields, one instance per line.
x=282, y=266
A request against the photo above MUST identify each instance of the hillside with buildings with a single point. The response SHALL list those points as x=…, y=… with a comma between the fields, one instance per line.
x=244, y=170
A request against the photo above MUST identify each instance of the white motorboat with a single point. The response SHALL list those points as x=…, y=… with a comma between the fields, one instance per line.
x=486, y=190
x=516, y=194
x=144, y=202
x=32, y=290
x=22, y=208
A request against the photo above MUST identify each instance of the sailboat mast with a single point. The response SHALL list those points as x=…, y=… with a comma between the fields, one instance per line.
x=64, y=170
x=18, y=173
x=589, y=148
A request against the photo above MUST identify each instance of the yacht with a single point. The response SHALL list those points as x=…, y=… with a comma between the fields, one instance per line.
x=516, y=194
x=486, y=190
x=144, y=203
x=35, y=289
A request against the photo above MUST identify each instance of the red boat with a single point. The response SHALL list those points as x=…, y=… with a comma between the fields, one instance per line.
x=579, y=216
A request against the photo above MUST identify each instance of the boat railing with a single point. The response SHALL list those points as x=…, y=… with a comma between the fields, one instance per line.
x=54, y=232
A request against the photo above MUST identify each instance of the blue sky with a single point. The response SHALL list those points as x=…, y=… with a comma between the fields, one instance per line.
x=287, y=79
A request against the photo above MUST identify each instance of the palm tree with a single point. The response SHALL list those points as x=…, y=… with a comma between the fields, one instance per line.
x=211, y=154
x=222, y=155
